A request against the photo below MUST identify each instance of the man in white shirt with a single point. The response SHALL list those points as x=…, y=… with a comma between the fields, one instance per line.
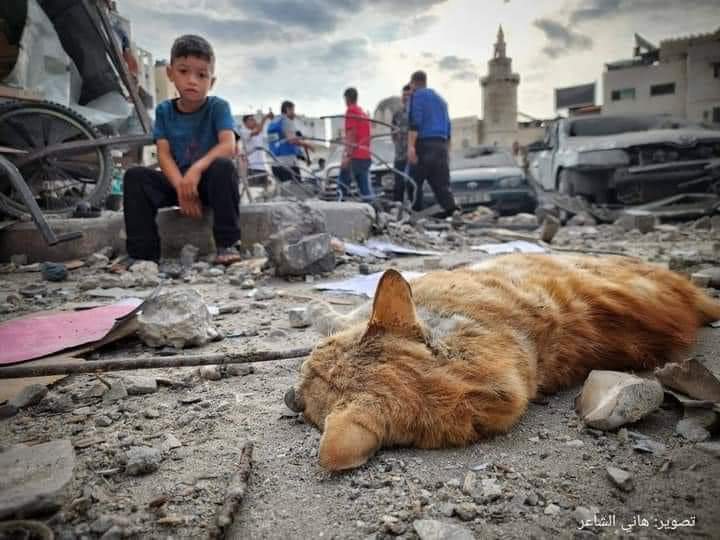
x=254, y=142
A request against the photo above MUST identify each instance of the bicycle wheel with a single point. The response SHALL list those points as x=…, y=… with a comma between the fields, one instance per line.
x=58, y=182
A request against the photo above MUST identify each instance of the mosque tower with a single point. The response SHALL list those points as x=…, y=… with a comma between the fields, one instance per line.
x=499, y=89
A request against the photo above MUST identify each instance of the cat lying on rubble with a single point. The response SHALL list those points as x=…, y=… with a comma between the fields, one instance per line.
x=458, y=358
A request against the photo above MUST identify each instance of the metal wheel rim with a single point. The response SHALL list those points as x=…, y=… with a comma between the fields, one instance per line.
x=81, y=132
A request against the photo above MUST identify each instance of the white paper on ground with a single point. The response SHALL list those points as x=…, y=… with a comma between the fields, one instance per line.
x=361, y=285
x=516, y=246
x=389, y=247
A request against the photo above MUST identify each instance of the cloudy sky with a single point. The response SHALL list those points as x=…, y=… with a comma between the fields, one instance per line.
x=309, y=51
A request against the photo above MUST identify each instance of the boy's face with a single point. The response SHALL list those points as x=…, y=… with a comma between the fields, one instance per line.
x=251, y=122
x=290, y=112
x=193, y=77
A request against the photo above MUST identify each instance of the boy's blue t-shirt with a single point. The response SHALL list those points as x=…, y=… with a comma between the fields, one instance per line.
x=192, y=135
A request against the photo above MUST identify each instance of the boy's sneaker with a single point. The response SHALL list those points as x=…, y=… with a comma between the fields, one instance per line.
x=227, y=255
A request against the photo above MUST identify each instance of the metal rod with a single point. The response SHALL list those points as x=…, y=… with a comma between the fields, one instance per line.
x=78, y=146
x=151, y=362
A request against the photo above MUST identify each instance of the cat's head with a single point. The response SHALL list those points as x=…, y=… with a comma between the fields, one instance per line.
x=352, y=386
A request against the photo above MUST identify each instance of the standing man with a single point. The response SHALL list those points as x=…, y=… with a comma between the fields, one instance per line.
x=356, y=158
x=285, y=144
x=400, y=140
x=428, y=140
x=253, y=142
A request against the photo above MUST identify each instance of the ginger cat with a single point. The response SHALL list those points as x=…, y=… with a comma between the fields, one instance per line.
x=457, y=358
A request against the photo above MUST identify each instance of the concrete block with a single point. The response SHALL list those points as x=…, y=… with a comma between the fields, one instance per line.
x=346, y=220
x=176, y=230
x=98, y=233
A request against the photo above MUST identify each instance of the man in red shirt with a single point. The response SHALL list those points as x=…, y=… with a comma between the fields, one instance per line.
x=356, y=157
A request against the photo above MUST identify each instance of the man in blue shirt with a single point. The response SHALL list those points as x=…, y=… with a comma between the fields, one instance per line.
x=428, y=139
x=285, y=144
x=195, y=142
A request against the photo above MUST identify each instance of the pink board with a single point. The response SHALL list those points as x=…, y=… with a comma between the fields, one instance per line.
x=46, y=333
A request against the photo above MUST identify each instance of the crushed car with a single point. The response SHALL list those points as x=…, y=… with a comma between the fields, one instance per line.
x=626, y=160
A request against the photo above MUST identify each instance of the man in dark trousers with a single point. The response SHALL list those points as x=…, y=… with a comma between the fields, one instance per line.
x=428, y=140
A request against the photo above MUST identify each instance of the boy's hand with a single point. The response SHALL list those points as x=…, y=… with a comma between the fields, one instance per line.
x=188, y=193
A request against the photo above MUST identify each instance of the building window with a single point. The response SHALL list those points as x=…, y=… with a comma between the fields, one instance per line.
x=623, y=93
x=716, y=115
x=662, y=89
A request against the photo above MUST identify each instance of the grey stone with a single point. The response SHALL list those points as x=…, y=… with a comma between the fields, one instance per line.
x=170, y=442
x=393, y=525
x=621, y=478
x=213, y=272
x=466, y=511
x=30, y=395
x=264, y=293
x=551, y=510
x=239, y=370
x=116, y=392
x=103, y=421
x=298, y=317
x=137, y=385
x=364, y=269
x=582, y=219
x=294, y=254
x=696, y=424
x=88, y=284
x=142, y=460
x=210, y=373
x=33, y=477
x=583, y=514
x=187, y=419
x=247, y=284
x=490, y=489
x=259, y=251
x=522, y=220
x=34, y=289
x=97, y=260
x=610, y=399
x=58, y=403
x=637, y=219
x=116, y=532
x=7, y=410
x=550, y=227
x=19, y=259
x=151, y=413
x=176, y=318
x=431, y=529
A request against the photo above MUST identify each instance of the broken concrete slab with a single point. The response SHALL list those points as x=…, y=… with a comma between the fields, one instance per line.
x=176, y=230
x=610, y=399
x=298, y=317
x=642, y=220
x=177, y=319
x=432, y=529
x=294, y=254
x=33, y=477
x=697, y=424
x=692, y=378
x=97, y=233
x=258, y=222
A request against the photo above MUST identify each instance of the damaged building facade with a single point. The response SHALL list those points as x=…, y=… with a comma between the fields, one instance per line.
x=681, y=78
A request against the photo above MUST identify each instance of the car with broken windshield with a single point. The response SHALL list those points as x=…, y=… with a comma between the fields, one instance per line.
x=627, y=160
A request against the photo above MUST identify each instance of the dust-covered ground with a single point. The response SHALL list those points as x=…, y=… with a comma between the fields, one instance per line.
x=534, y=482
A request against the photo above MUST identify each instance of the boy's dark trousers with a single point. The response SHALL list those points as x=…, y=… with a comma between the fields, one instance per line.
x=147, y=190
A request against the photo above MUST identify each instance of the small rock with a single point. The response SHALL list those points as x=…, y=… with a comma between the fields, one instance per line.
x=53, y=271
x=551, y=510
x=521, y=220
x=641, y=220
x=247, y=284
x=142, y=460
x=491, y=490
x=30, y=395
x=116, y=392
x=187, y=419
x=582, y=219
x=213, y=272
x=88, y=284
x=583, y=514
x=298, y=317
x=172, y=270
x=171, y=442
x=239, y=370
x=103, y=421
x=151, y=414
x=98, y=260
x=58, y=403
x=610, y=399
x=575, y=443
x=550, y=227
x=446, y=509
x=393, y=525
x=210, y=373
x=469, y=483
x=264, y=293
x=532, y=500
x=431, y=529
x=696, y=424
x=621, y=478
x=364, y=269
x=137, y=385
x=116, y=532
x=466, y=511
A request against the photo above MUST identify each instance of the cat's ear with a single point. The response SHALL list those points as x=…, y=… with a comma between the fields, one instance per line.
x=393, y=308
x=346, y=442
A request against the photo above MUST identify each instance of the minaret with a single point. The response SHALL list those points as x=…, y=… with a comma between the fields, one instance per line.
x=500, y=97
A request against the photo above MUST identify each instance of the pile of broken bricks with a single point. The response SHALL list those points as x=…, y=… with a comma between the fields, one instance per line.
x=612, y=399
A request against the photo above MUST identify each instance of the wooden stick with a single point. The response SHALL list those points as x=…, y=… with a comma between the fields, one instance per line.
x=150, y=362
x=234, y=495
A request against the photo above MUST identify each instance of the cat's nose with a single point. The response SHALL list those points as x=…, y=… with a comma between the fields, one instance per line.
x=292, y=402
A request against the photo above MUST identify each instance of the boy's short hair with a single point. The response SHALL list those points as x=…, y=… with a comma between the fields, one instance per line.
x=247, y=117
x=406, y=88
x=286, y=105
x=419, y=77
x=192, y=45
x=351, y=94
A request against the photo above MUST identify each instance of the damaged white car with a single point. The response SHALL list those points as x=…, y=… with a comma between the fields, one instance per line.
x=627, y=159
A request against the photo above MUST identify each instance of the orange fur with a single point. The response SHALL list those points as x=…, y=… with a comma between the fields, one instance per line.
x=459, y=357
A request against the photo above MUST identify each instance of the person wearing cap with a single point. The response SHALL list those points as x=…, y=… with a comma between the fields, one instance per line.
x=428, y=141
